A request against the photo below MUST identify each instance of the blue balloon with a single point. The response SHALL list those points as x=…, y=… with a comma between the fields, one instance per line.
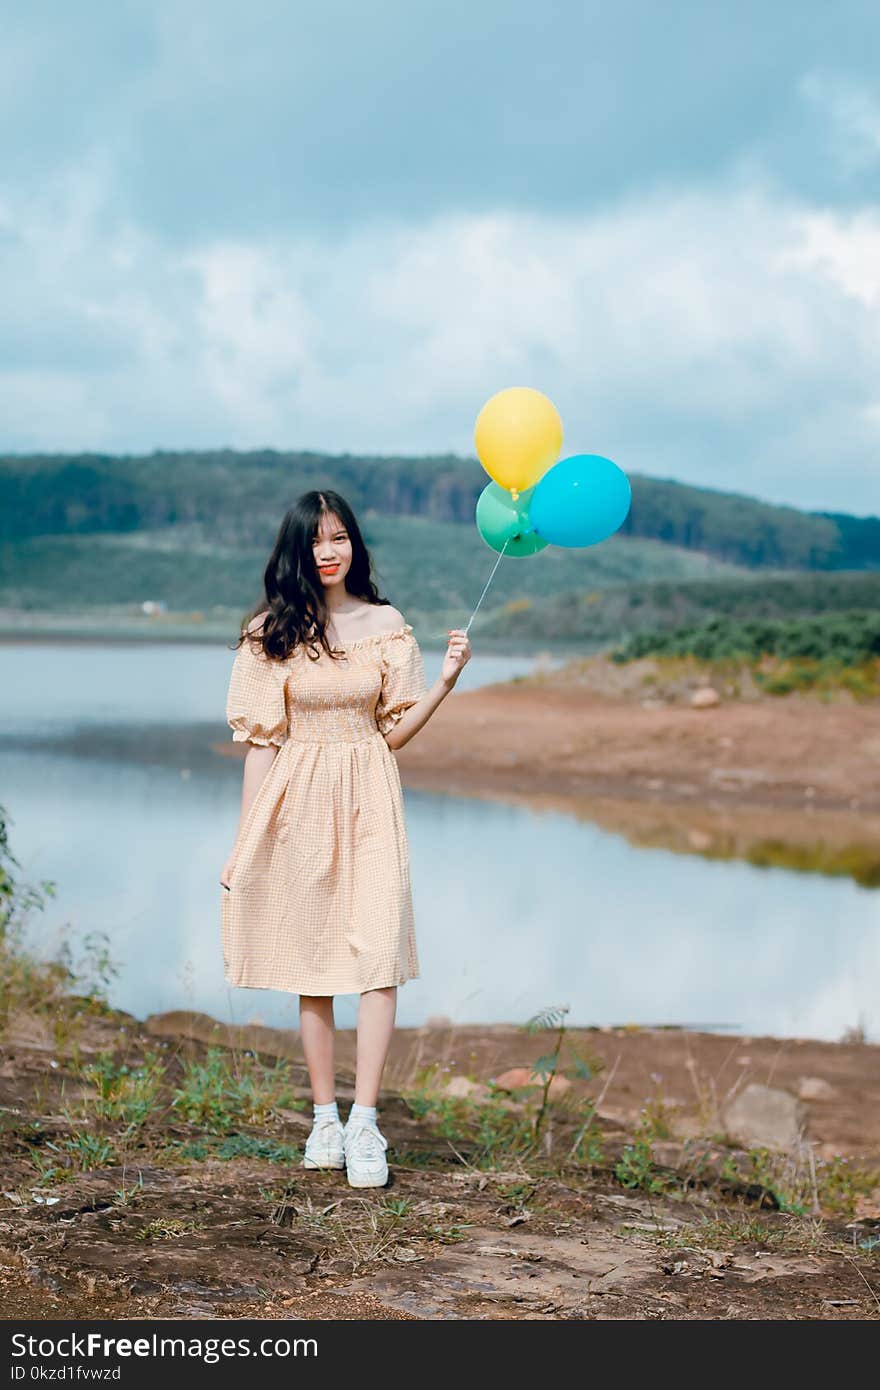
x=580, y=501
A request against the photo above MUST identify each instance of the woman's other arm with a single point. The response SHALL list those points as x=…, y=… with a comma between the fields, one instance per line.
x=458, y=654
x=257, y=761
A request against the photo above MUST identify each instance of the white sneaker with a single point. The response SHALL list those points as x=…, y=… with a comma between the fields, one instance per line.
x=324, y=1145
x=365, y=1154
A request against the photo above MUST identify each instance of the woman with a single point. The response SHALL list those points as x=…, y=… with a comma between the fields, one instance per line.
x=327, y=683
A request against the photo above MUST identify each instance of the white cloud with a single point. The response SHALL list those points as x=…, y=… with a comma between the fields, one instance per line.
x=723, y=336
x=853, y=113
x=845, y=248
x=255, y=336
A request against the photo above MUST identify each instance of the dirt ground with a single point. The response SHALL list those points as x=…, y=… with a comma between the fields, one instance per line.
x=680, y=1064
x=450, y=1237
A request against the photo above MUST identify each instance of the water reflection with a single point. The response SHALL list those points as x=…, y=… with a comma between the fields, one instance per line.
x=516, y=909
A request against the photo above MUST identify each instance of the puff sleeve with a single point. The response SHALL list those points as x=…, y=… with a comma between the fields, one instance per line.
x=403, y=677
x=256, y=709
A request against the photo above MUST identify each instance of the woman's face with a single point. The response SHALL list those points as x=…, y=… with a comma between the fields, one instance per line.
x=332, y=551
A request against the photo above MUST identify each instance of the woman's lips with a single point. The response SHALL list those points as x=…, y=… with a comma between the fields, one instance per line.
x=328, y=569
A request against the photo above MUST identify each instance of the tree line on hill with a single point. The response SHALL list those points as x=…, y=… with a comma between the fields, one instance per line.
x=843, y=639
x=657, y=606
x=243, y=495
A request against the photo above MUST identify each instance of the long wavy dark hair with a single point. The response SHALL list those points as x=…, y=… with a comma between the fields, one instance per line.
x=296, y=611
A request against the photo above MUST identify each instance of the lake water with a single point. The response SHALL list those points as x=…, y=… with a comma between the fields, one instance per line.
x=113, y=791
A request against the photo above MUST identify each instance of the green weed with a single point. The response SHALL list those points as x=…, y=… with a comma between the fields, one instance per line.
x=635, y=1169
x=799, y=1186
x=219, y=1094
x=587, y=1145
x=121, y=1092
x=231, y=1146
x=88, y=1151
x=168, y=1228
x=548, y=1066
x=841, y=1183
x=493, y=1133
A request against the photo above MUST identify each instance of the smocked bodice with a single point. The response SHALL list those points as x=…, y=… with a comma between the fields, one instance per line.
x=359, y=695
x=334, y=701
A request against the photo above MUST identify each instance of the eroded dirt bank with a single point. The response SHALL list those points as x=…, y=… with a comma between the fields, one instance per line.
x=743, y=779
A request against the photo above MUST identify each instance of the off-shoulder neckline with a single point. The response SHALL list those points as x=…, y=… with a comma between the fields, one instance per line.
x=358, y=642
x=373, y=636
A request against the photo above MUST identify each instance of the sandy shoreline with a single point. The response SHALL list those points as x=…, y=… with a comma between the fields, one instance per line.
x=725, y=781
x=226, y=636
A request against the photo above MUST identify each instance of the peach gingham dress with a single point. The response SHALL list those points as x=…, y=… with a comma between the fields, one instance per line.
x=319, y=900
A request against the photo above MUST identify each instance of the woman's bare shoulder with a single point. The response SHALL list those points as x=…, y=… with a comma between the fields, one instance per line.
x=390, y=619
x=256, y=623
x=374, y=620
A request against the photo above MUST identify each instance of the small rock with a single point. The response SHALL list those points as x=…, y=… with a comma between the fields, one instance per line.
x=27, y=1029
x=699, y=839
x=516, y=1077
x=705, y=697
x=464, y=1089
x=828, y=1152
x=721, y=1259
x=613, y=1116
x=666, y=1152
x=302, y=1118
x=867, y=1208
x=764, y=1117
x=815, y=1088
x=513, y=1078
x=559, y=1086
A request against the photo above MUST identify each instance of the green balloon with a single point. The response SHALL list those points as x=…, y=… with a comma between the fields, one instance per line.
x=500, y=519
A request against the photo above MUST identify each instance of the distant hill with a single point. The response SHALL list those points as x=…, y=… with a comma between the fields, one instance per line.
x=240, y=498
x=90, y=538
x=610, y=612
x=433, y=570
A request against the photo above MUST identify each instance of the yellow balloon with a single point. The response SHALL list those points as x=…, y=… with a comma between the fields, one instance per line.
x=518, y=436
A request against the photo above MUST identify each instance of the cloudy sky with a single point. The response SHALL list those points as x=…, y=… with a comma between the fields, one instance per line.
x=342, y=226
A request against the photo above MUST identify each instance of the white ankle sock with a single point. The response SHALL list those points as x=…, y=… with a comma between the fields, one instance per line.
x=326, y=1112
x=364, y=1113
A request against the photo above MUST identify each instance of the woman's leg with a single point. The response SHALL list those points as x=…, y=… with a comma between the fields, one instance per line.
x=376, y=1013
x=316, y=1030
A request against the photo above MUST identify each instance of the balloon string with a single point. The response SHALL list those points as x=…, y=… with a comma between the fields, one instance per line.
x=488, y=582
